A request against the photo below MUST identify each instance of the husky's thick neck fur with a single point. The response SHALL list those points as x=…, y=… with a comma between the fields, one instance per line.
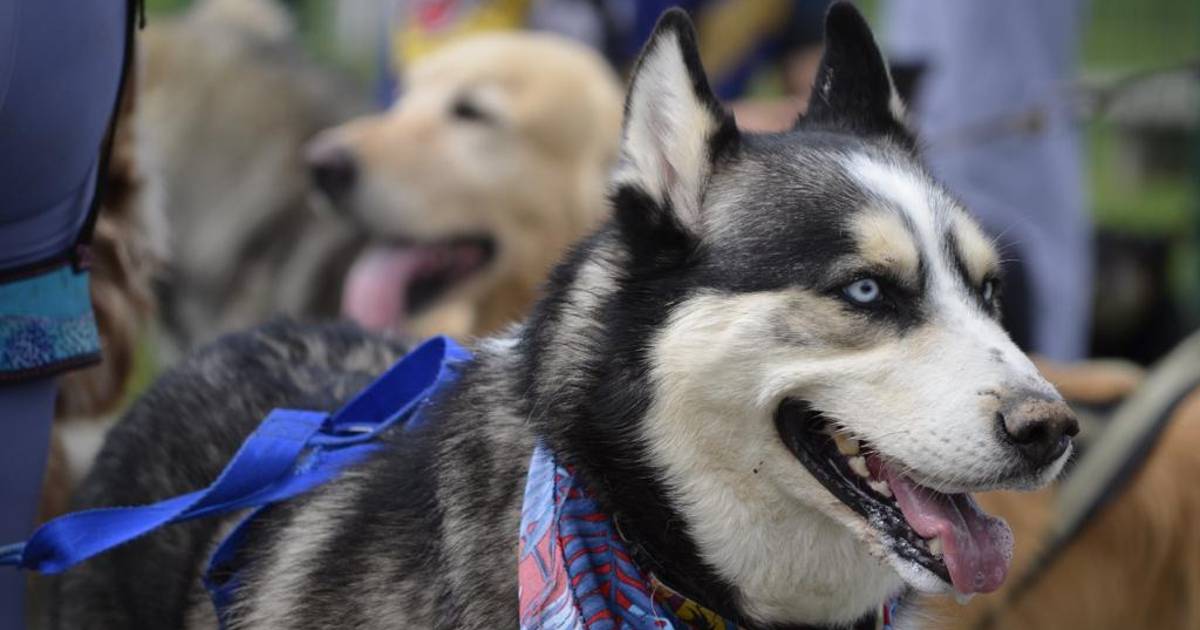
x=662, y=358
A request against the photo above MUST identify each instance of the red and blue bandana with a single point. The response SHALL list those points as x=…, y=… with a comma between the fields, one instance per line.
x=575, y=572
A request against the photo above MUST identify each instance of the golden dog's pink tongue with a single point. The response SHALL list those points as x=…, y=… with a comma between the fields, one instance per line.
x=376, y=289
x=977, y=547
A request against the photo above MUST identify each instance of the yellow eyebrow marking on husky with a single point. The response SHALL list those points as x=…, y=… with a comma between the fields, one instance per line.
x=884, y=240
x=977, y=252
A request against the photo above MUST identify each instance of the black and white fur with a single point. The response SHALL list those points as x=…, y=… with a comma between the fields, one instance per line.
x=656, y=364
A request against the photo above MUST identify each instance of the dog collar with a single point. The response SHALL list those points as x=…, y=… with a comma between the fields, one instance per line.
x=576, y=571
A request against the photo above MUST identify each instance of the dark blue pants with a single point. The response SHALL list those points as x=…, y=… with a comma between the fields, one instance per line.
x=25, y=409
x=60, y=69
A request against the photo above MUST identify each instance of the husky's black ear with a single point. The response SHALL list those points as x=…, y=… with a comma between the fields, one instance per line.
x=854, y=90
x=675, y=131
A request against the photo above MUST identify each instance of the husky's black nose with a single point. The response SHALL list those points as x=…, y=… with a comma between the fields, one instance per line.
x=332, y=166
x=1040, y=428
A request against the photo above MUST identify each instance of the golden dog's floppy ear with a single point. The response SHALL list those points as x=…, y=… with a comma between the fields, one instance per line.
x=675, y=129
x=853, y=90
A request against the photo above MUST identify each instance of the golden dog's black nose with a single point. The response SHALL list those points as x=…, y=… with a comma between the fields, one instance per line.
x=332, y=166
x=1040, y=428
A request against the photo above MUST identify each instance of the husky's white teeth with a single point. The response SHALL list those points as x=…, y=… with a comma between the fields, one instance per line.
x=935, y=546
x=880, y=487
x=846, y=445
x=859, y=466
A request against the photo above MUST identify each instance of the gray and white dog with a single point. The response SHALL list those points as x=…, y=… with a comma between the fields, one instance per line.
x=778, y=366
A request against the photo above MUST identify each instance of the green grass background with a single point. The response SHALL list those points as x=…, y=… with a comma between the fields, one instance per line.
x=1132, y=36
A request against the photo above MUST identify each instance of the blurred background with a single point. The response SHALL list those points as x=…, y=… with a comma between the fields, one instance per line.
x=1134, y=94
x=259, y=152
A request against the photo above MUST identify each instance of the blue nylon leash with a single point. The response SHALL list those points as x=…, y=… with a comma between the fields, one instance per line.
x=291, y=452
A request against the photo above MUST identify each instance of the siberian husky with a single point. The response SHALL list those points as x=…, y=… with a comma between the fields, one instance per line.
x=778, y=366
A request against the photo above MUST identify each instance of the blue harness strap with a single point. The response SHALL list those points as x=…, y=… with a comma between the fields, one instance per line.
x=291, y=452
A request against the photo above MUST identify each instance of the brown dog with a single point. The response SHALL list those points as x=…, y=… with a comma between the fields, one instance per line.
x=474, y=183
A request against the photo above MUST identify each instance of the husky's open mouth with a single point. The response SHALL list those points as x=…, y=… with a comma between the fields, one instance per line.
x=391, y=282
x=946, y=534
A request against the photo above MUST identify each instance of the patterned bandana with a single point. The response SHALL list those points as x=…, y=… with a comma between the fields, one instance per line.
x=575, y=571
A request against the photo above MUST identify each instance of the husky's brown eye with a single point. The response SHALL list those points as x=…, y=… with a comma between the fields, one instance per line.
x=863, y=291
x=465, y=109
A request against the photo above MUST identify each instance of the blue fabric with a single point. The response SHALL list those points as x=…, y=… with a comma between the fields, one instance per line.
x=60, y=69
x=46, y=320
x=291, y=452
x=26, y=409
x=60, y=65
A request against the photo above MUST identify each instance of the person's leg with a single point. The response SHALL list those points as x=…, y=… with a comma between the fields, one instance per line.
x=26, y=410
x=60, y=67
x=992, y=67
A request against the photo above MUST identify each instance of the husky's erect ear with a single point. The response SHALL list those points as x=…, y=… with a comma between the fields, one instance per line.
x=853, y=90
x=675, y=131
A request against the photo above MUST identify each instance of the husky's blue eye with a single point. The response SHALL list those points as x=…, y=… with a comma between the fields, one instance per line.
x=864, y=291
x=988, y=290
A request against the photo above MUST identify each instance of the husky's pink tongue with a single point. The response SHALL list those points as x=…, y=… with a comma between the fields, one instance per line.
x=376, y=289
x=976, y=546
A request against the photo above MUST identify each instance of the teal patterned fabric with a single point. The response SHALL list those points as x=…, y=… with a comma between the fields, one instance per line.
x=46, y=323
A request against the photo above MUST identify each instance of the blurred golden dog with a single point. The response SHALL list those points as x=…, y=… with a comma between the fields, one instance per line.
x=474, y=183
